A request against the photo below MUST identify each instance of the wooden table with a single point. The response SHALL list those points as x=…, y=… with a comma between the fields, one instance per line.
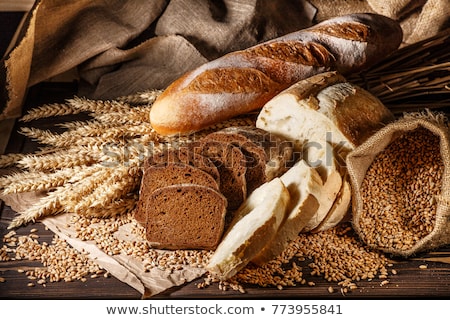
x=410, y=282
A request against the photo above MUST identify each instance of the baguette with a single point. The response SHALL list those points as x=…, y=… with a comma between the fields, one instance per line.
x=243, y=81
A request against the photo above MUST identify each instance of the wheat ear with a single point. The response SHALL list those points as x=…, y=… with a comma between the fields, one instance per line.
x=10, y=159
x=120, y=183
x=48, y=205
x=49, y=110
x=135, y=116
x=39, y=181
x=117, y=207
x=58, y=160
x=98, y=106
x=140, y=98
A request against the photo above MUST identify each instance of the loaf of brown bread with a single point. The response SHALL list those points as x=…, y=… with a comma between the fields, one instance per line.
x=185, y=216
x=228, y=162
x=267, y=155
x=279, y=151
x=243, y=81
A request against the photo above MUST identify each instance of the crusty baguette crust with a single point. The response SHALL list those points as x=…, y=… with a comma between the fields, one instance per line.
x=245, y=80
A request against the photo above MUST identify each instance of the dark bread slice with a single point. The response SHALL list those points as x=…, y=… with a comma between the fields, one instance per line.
x=254, y=154
x=185, y=216
x=268, y=155
x=164, y=174
x=279, y=152
x=231, y=163
x=185, y=155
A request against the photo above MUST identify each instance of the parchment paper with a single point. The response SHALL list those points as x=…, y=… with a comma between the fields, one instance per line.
x=123, y=267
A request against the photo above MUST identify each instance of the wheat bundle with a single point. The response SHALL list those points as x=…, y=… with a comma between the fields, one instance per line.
x=412, y=77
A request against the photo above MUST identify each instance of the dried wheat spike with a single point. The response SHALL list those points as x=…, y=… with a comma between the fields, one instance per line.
x=120, y=183
x=98, y=106
x=144, y=97
x=39, y=181
x=49, y=110
x=82, y=184
x=91, y=128
x=18, y=177
x=58, y=160
x=135, y=116
x=10, y=159
x=118, y=207
x=46, y=206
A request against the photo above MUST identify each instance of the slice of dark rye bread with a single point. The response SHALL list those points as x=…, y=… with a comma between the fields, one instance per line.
x=231, y=163
x=268, y=156
x=184, y=154
x=185, y=216
x=279, y=152
x=165, y=174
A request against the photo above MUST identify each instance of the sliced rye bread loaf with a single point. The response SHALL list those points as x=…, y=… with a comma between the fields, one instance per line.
x=231, y=163
x=268, y=156
x=279, y=151
x=165, y=174
x=185, y=216
x=254, y=155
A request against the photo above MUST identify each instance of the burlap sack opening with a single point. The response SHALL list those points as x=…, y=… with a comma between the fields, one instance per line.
x=361, y=158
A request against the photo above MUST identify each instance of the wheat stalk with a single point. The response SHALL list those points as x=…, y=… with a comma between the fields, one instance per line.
x=8, y=160
x=49, y=110
x=58, y=160
x=27, y=181
x=116, y=208
x=413, y=78
x=135, y=116
x=141, y=98
x=18, y=177
x=120, y=182
x=98, y=106
x=83, y=184
x=48, y=205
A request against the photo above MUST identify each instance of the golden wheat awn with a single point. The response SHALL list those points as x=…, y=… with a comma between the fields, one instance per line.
x=412, y=76
x=120, y=182
x=58, y=160
x=7, y=160
x=49, y=110
x=17, y=177
x=42, y=181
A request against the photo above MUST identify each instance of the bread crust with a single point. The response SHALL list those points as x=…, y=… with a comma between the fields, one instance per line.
x=349, y=114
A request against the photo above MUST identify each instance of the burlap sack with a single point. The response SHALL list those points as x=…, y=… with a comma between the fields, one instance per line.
x=361, y=158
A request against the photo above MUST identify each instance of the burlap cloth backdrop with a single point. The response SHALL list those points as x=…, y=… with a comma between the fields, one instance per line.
x=122, y=47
